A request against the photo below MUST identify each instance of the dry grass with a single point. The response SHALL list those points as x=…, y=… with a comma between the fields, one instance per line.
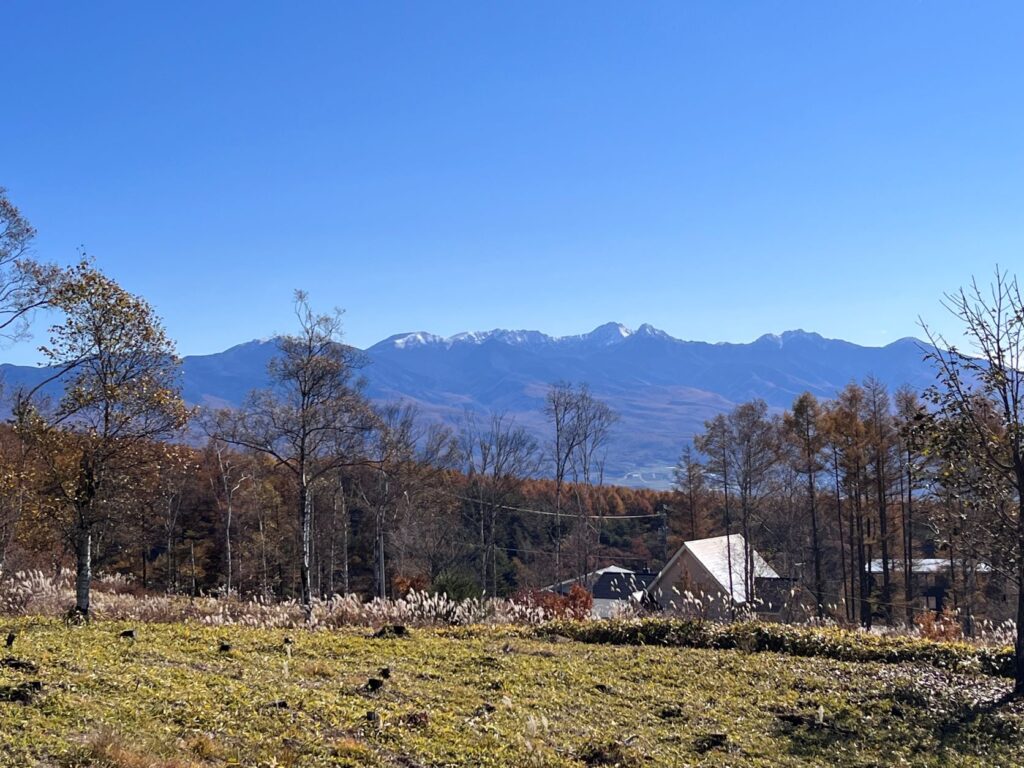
x=493, y=696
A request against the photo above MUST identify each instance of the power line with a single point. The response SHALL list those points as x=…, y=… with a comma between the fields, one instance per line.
x=549, y=513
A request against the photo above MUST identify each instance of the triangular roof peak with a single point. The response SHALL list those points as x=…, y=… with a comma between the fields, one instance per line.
x=714, y=555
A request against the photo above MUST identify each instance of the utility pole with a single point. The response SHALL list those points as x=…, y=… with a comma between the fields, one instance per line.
x=663, y=513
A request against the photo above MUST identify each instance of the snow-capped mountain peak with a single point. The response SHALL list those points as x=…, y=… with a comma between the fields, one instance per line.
x=411, y=340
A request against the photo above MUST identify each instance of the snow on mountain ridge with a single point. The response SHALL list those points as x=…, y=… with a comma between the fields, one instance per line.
x=609, y=333
x=604, y=335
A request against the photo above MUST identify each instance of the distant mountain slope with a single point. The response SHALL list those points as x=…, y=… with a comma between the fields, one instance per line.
x=663, y=388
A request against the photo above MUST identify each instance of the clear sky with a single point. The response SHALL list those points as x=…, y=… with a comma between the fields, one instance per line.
x=720, y=170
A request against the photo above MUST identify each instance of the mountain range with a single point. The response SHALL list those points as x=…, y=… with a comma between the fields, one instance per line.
x=663, y=388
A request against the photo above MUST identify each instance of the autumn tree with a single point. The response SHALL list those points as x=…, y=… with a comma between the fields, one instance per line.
x=24, y=283
x=16, y=479
x=847, y=438
x=312, y=418
x=978, y=421
x=755, y=444
x=716, y=443
x=911, y=435
x=690, y=481
x=121, y=396
x=805, y=443
x=881, y=435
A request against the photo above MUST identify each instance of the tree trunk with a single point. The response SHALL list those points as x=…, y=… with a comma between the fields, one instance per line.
x=263, y=557
x=83, y=570
x=908, y=544
x=382, y=590
x=333, y=542
x=1018, y=647
x=847, y=597
x=227, y=546
x=819, y=588
x=693, y=510
x=863, y=575
x=305, y=519
x=728, y=537
x=344, y=546
x=883, y=526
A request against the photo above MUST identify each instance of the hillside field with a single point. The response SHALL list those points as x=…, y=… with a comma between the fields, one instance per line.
x=174, y=697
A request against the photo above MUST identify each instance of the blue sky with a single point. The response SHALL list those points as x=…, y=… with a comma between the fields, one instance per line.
x=720, y=170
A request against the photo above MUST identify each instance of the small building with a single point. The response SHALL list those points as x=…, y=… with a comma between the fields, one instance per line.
x=587, y=580
x=706, y=576
x=615, y=593
x=933, y=581
x=614, y=589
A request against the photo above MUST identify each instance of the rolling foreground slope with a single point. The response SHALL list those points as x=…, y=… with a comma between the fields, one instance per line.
x=495, y=697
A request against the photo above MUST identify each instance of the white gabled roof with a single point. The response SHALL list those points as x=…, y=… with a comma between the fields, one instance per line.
x=714, y=555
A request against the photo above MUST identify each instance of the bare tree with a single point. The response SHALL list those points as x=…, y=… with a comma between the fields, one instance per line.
x=24, y=284
x=560, y=409
x=593, y=423
x=407, y=457
x=593, y=420
x=232, y=475
x=581, y=426
x=497, y=460
x=978, y=424
x=311, y=420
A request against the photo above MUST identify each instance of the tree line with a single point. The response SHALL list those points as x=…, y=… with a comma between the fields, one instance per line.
x=847, y=494
x=305, y=490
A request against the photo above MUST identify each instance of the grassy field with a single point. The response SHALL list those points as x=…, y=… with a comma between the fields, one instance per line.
x=173, y=697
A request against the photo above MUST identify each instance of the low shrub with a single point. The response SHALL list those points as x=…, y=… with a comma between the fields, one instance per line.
x=754, y=637
x=576, y=605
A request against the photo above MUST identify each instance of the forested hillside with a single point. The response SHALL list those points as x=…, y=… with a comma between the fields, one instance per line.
x=663, y=389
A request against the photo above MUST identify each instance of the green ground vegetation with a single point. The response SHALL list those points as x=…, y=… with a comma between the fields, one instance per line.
x=189, y=696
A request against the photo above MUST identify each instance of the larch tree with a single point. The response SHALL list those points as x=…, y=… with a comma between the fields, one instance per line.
x=881, y=435
x=716, y=442
x=755, y=450
x=847, y=438
x=910, y=416
x=689, y=482
x=120, y=376
x=806, y=442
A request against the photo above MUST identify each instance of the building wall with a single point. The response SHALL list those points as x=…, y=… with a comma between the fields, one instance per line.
x=686, y=574
x=605, y=608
